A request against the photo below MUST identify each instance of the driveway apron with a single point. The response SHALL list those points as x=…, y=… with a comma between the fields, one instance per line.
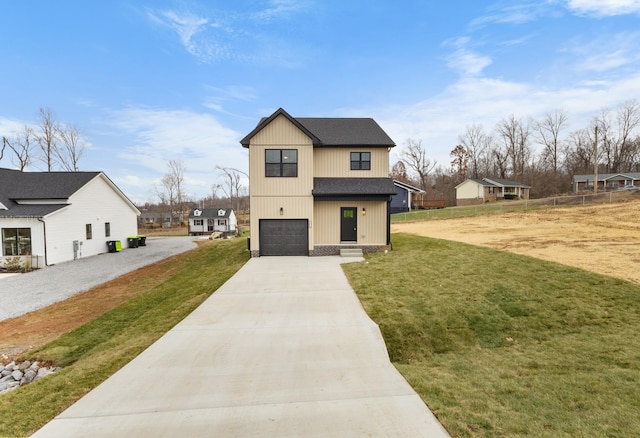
x=282, y=349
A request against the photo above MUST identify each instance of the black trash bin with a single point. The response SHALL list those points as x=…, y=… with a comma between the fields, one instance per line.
x=132, y=241
x=142, y=240
x=111, y=245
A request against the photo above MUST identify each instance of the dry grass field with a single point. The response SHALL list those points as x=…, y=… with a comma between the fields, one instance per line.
x=603, y=238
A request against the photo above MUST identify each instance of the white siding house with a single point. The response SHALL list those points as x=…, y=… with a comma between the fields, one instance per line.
x=211, y=220
x=61, y=216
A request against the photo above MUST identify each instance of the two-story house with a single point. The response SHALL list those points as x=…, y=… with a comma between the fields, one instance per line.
x=318, y=185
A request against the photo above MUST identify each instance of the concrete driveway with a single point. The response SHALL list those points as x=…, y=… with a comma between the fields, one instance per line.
x=283, y=349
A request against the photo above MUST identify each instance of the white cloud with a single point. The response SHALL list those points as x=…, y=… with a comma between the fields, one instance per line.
x=604, y=8
x=511, y=13
x=200, y=141
x=204, y=38
x=468, y=63
x=438, y=121
x=279, y=8
x=605, y=53
x=465, y=61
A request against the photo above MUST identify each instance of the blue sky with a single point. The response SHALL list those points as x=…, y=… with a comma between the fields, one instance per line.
x=152, y=81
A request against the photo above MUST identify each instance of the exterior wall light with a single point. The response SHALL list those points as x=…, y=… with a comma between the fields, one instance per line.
x=281, y=211
x=364, y=211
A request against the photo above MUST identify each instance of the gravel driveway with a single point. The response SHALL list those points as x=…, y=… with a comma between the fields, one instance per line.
x=24, y=293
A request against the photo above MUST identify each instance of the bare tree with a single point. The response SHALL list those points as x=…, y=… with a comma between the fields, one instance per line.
x=548, y=135
x=616, y=136
x=477, y=145
x=579, y=152
x=71, y=149
x=415, y=157
x=515, y=138
x=47, y=137
x=460, y=163
x=5, y=141
x=171, y=193
x=399, y=172
x=22, y=147
x=232, y=186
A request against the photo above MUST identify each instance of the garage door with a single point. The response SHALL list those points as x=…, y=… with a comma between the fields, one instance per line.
x=284, y=237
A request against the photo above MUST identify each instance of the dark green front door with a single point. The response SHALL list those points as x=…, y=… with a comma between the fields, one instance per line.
x=348, y=224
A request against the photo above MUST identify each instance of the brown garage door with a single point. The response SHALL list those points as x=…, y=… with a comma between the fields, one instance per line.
x=284, y=237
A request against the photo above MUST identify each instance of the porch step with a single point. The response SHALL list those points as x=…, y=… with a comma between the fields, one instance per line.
x=350, y=252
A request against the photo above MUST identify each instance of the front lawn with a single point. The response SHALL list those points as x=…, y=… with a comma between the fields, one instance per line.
x=499, y=344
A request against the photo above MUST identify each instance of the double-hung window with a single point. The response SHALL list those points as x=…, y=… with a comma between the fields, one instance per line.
x=281, y=162
x=16, y=241
x=360, y=160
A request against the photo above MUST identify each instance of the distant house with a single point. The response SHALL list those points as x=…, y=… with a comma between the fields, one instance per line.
x=606, y=181
x=478, y=191
x=406, y=198
x=53, y=217
x=210, y=220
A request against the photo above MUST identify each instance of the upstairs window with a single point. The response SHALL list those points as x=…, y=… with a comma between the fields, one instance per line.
x=107, y=229
x=281, y=162
x=89, y=232
x=360, y=160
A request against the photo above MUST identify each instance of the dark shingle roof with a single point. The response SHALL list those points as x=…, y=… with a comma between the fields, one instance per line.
x=332, y=131
x=16, y=185
x=211, y=213
x=353, y=187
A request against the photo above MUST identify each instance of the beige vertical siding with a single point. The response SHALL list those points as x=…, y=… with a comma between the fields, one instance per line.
x=336, y=162
x=280, y=134
x=372, y=227
x=268, y=195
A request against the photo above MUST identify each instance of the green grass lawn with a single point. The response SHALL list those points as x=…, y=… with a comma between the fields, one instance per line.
x=499, y=344
x=94, y=351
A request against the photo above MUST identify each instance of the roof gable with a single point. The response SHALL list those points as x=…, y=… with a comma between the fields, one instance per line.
x=208, y=213
x=407, y=187
x=37, y=194
x=332, y=131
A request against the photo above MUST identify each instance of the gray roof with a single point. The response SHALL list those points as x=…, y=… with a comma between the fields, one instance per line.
x=55, y=188
x=351, y=132
x=353, y=187
x=505, y=182
x=208, y=213
x=606, y=176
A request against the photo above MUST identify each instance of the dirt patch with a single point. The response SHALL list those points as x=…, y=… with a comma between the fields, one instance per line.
x=602, y=238
x=28, y=332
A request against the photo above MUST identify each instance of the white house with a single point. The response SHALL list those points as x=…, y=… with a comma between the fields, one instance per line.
x=210, y=220
x=53, y=217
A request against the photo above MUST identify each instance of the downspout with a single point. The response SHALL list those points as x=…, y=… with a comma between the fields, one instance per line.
x=389, y=222
x=44, y=230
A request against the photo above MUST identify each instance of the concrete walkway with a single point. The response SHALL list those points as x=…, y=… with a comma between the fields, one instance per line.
x=283, y=349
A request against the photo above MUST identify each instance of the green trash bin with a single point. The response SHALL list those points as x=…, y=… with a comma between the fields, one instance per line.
x=118, y=246
x=132, y=241
x=111, y=245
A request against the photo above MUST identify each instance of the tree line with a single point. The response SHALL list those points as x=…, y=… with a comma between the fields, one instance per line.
x=46, y=144
x=541, y=153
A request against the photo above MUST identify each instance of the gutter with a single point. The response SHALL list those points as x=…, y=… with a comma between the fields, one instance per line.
x=44, y=229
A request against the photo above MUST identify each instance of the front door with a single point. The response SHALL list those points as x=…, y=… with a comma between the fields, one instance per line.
x=348, y=224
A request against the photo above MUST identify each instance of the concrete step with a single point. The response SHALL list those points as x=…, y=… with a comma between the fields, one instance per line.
x=350, y=252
